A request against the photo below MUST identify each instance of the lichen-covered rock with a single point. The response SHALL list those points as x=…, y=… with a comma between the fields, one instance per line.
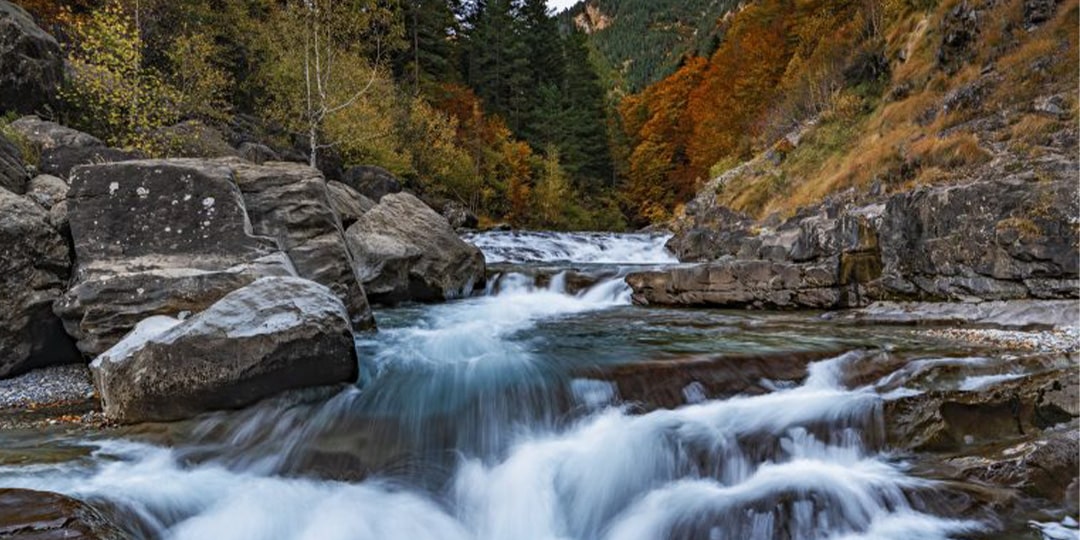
x=156, y=237
x=35, y=263
x=290, y=202
x=33, y=64
x=404, y=250
x=273, y=335
x=40, y=515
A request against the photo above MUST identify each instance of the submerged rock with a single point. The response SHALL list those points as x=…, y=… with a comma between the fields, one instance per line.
x=35, y=263
x=273, y=335
x=41, y=515
x=404, y=251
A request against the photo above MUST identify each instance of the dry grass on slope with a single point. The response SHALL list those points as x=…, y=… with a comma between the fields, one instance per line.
x=933, y=123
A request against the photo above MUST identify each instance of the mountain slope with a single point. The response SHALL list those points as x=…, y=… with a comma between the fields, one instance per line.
x=643, y=41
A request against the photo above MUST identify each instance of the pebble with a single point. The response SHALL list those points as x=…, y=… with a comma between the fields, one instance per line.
x=1061, y=340
x=46, y=385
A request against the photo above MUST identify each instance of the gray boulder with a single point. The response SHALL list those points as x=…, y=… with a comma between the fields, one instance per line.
x=156, y=237
x=257, y=153
x=44, y=135
x=60, y=161
x=459, y=215
x=47, y=190
x=290, y=202
x=371, y=181
x=192, y=139
x=273, y=335
x=404, y=250
x=347, y=202
x=13, y=173
x=33, y=64
x=35, y=263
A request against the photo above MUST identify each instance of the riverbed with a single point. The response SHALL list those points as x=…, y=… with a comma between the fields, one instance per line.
x=541, y=409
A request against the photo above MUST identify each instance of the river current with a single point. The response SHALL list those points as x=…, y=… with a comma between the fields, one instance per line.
x=542, y=411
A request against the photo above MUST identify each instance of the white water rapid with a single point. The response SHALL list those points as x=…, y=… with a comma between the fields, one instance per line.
x=473, y=428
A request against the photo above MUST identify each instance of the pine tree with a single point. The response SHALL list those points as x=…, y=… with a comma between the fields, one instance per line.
x=430, y=56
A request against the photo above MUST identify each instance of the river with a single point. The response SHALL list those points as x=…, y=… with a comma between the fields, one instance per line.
x=546, y=408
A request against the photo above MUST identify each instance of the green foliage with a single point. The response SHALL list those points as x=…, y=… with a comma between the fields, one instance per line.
x=201, y=84
x=110, y=92
x=648, y=39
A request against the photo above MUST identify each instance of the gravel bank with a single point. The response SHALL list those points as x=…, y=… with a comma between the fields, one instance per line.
x=1061, y=340
x=48, y=396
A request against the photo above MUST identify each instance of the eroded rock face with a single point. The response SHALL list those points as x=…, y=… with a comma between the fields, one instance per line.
x=404, y=250
x=273, y=335
x=13, y=174
x=34, y=267
x=33, y=64
x=156, y=237
x=741, y=283
x=290, y=202
x=998, y=240
x=41, y=515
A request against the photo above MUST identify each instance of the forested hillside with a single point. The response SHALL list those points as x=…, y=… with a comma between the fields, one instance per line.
x=642, y=41
x=486, y=103
x=613, y=114
x=855, y=96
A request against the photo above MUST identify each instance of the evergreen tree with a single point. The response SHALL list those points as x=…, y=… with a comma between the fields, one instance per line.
x=430, y=54
x=584, y=142
x=496, y=66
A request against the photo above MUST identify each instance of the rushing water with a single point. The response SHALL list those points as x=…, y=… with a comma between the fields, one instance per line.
x=531, y=413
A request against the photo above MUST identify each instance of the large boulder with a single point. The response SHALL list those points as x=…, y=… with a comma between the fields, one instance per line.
x=273, y=335
x=404, y=250
x=41, y=515
x=156, y=237
x=33, y=65
x=35, y=263
x=13, y=173
x=371, y=181
x=994, y=240
x=290, y=202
